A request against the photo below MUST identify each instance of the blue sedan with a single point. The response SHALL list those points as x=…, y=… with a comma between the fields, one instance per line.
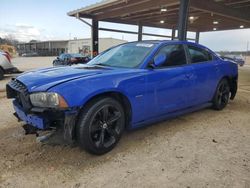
x=125, y=87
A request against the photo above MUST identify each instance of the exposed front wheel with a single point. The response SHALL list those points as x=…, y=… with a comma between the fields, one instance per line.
x=222, y=95
x=100, y=126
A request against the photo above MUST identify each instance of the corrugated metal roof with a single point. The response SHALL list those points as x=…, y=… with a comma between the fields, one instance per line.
x=204, y=15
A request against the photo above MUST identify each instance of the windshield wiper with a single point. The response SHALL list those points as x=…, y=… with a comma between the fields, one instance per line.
x=102, y=64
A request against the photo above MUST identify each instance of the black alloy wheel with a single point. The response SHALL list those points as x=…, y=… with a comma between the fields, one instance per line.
x=222, y=95
x=101, y=125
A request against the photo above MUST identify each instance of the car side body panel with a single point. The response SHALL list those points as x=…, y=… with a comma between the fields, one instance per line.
x=130, y=84
x=166, y=88
x=153, y=94
x=206, y=78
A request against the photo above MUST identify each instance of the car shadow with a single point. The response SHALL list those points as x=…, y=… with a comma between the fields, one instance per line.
x=70, y=155
x=132, y=140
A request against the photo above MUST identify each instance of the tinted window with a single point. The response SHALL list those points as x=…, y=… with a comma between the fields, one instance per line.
x=175, y=55
x=199, y=55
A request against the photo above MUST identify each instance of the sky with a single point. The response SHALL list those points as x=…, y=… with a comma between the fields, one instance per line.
x=27, y=20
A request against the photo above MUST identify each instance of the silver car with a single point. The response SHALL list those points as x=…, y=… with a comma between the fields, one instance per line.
x=5, y=65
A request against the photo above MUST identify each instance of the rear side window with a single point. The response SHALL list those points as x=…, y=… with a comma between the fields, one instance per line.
x=199, y=55
x=175, y=55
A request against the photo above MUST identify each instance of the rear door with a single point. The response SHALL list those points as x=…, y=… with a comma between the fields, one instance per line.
x=169, y=86
x=206, y=74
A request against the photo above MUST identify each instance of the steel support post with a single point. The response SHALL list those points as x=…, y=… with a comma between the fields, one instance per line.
x=173, y=34
x=197, y=37
x=140, y=29
x=95, y=38
x=183, y=19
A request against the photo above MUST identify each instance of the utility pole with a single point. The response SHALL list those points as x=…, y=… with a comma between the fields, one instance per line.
x=247, y=46
x=247, y=52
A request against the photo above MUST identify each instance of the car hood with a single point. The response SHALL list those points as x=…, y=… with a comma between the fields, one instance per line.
x=44, y=79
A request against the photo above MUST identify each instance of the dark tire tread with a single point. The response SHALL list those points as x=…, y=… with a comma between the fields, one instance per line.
x=82, y=127
x=216, y=105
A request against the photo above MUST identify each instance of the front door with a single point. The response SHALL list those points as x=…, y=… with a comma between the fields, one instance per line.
x=169, y=86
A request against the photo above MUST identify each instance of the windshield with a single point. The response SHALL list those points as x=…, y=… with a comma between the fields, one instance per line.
x=76, y=55
x=129, y=55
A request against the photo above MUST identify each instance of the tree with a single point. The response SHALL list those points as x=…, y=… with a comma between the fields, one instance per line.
x=9, y=40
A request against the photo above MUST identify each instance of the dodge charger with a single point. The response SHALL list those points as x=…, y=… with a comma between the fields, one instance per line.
x=125, y=87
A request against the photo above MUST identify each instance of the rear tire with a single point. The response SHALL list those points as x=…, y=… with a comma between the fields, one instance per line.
x=100, y=125
x=222, y=95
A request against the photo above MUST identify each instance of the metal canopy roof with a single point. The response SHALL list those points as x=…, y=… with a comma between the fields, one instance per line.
x=204, y=15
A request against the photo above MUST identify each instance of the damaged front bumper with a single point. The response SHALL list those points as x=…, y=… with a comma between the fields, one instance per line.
x=47, y=119
x=40, y=119
x=34, y=120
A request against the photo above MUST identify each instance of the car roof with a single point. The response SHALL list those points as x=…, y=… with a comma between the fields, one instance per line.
x=173, y=42
x=166, y=42
x=169, y=42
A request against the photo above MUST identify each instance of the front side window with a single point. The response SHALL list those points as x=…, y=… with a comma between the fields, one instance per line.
x=199, y=55
x=175, y=55
x=129, y=55
x=67, y=56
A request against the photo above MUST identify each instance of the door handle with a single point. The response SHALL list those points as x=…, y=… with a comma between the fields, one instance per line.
x=217, y=69
x=188, y=76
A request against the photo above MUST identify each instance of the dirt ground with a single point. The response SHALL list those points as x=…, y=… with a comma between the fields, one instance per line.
x=202, y=149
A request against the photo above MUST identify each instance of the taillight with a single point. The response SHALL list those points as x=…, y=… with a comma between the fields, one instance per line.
x=8, y=57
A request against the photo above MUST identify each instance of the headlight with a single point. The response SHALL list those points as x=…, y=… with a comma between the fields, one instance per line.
x=48, y=100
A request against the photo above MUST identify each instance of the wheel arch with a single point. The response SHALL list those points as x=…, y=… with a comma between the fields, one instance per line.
x=119, y=96
x=232, y=80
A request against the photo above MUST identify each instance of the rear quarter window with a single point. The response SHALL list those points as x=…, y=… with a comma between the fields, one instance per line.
x=199, y=55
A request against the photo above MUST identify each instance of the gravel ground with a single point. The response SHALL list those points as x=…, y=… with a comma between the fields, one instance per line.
x=202, y=149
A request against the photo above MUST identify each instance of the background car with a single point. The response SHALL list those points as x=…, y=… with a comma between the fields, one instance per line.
x=5, y=65
x=126, y=87
x=70, y=59
x=239, y=59
x=30, y=54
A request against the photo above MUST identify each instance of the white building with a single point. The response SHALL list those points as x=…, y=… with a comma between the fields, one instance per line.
x=55, y=48
x=84, y=45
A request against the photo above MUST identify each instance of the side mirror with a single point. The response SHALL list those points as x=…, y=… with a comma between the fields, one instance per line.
x=159, y=60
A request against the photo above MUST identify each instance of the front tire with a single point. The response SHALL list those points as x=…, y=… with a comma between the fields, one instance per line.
x=222, y=95
x=100, y=125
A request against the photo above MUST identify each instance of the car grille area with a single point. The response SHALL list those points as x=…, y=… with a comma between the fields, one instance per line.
x=18, y=91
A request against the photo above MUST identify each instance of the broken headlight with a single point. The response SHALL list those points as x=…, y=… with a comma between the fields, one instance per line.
x=48, y=100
